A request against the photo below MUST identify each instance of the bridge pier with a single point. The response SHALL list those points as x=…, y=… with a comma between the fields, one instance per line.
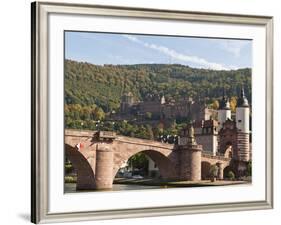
x=195, y=162
x=104, y=167
x=184, y=164
x=190, y=164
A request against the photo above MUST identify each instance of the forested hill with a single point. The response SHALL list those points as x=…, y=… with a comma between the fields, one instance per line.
x=88, y=84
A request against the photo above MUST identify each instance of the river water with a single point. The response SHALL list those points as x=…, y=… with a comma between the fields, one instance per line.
x=71, y=187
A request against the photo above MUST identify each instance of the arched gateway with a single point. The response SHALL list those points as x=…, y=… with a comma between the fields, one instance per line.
x=97, y=156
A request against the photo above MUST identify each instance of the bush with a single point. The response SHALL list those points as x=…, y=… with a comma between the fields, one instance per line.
x=214, y=171
x=249, y=169
x=148, y=115
x=230, y=175
x=70, y=179
x=68, y=168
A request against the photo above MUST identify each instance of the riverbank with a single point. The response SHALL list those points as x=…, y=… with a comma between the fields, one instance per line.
x=122, y=184
x=71, y=188
x=170, y=183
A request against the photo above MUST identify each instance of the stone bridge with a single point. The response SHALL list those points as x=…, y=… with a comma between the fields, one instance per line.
x=97, y=157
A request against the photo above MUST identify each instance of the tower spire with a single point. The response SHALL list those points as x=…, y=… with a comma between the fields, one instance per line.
x=224, y=103
x=224, y=112
x=242, y=92
x=242, y=100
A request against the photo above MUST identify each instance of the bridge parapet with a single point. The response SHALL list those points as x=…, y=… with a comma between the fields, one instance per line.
x=218, y=157
x=74, y=136
x=107, y=136
x=144, y=142
x=79, y=133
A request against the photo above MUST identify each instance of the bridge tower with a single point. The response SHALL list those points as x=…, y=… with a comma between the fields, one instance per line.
x=190, y=158
x=224, y=111
x=243, y=128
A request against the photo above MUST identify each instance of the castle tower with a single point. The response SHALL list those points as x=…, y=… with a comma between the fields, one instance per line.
x=224, y=111
x=243, y=127
x=127, y=100
x=206, y=134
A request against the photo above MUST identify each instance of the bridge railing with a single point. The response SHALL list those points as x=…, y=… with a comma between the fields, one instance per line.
x=217, y=156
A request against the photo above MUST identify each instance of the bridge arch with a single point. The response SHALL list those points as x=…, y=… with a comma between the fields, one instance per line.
x=85, y=173
x=169, y=158
x=167, y=168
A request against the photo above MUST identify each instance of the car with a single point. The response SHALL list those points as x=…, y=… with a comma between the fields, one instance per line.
x=137, y=177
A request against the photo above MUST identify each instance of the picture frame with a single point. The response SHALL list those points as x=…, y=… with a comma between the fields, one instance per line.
x=41, y=190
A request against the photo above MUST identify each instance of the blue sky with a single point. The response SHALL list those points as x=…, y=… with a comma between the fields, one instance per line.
x=209, y=53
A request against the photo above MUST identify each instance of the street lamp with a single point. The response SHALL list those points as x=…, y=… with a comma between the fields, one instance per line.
x=113, y=126
x=81, y=126
x=99, y=125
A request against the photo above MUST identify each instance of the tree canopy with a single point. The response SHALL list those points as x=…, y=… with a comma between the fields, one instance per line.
x=87, y=84
x=93, y=93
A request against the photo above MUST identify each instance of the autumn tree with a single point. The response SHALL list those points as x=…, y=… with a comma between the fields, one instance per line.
x=215, y=104
x=233, y=103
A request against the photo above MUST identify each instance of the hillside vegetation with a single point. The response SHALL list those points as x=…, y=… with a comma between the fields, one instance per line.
x=102, y=86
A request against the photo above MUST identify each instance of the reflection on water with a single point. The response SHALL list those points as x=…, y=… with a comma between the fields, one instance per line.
x=71, y=187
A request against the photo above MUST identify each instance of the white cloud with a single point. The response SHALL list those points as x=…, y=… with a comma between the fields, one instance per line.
x=132, y=38
x=179, y=56
x=233, y=47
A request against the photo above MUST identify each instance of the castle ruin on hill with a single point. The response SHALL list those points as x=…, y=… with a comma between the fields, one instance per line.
x=160, y=108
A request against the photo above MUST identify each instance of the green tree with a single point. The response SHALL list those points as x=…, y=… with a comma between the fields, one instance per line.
x=148, y=115
x=249, y=169
x=87, y=84
x=99, y=113
x=230, y=175
x=150, y=132
x=160, y=127
x=138, y=161
x=214, y=172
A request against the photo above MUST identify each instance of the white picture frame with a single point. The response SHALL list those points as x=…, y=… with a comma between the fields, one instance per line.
x=49, y=20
